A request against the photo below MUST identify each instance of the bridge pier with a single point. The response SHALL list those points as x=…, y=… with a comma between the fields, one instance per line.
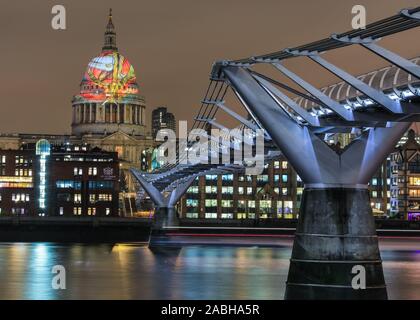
x=165, y=212
x=165, y=217
x=336, y=232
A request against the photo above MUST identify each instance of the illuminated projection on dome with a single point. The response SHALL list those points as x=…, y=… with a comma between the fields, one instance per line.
x=109, y=99
x=111, y=76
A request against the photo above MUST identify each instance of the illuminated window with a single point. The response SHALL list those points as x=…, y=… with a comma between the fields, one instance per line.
x=20, y=160
x=299, y=191
x=241, y=216
x=105, y=197
x=192, y=215
x=276, y=164
x=279, y=208
x=415, y=181
x=414, y=193
x=284, y=178
x=20, y=197
x=265, y=206
x=284, y=191
x=78, y=171
x=107, y=211
x=227, y=203
x=211, y=177
x=211, y=215
x=119, y=150
x=211, y=189
x=227, y=177
x=284, y=164
x=227, y=190
x=241, y=204
x=192, y=203
x=374, y=182
x=262, y=178
x=374, y=194
x=91, y=211
x=226, y=215
x=288, y=207
x=92, y=198
x=77, y=198
x=61, y=212
x=18, y=211
x=193, y=189
x=68, y=184
x=249, y=190
x=211, y=203
x=77, y=211
x=92, y=171
x=241, y=190
x=3, y=159
x=251, y=204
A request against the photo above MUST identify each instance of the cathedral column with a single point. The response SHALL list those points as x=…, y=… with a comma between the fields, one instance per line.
x=97, y=120
x=84, y=112
x=140, y=115
x=136, y=114
x=118, y=113
x=90, y=112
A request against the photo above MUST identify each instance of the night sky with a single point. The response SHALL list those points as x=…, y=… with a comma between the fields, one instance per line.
x=171, y=44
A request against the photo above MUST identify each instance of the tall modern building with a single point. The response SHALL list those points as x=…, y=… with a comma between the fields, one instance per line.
x=162, y=119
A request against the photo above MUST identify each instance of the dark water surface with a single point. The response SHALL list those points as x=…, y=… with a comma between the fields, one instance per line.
x=200, y=271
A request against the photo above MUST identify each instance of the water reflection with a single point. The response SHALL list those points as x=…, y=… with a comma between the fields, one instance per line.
x=128, y=271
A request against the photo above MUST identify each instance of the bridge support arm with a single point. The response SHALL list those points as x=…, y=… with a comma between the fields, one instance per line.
x=289, y=134
x=179, y=191
x=151, y=190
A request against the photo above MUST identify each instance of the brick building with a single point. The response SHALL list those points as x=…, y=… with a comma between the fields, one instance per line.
x=68, y=180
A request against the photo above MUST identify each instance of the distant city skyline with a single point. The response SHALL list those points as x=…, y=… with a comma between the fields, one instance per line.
x=171, y=46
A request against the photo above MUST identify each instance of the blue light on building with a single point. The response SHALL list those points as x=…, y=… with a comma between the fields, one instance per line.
x=43, y=150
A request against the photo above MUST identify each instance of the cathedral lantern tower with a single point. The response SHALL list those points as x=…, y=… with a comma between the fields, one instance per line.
x=109, y=99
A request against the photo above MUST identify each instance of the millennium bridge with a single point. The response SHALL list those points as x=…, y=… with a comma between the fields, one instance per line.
x=336, y=229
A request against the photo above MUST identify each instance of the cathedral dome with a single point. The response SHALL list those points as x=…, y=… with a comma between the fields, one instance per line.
x=109, y=100
x=109, y=77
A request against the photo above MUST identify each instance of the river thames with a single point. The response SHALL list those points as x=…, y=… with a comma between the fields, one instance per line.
x=233, y=270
